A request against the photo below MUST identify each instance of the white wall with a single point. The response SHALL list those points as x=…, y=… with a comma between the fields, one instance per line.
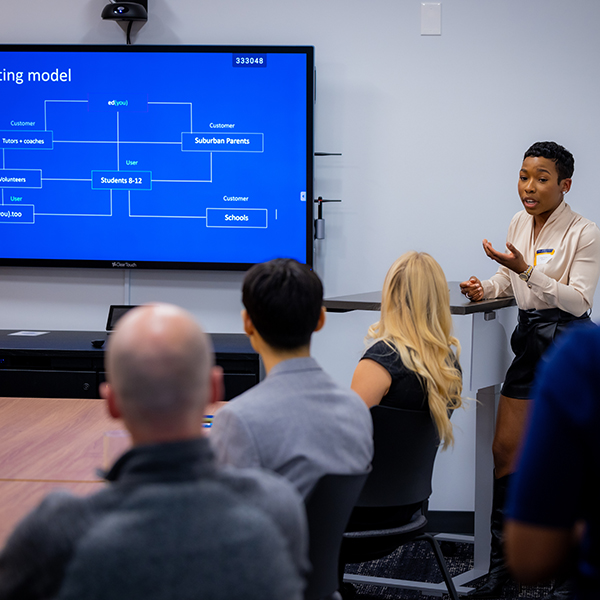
x=432, y=131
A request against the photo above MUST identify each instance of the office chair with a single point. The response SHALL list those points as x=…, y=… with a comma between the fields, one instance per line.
x=328, y=508
x=406, y=444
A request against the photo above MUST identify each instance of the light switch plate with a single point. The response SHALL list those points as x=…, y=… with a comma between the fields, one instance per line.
x=431, y=18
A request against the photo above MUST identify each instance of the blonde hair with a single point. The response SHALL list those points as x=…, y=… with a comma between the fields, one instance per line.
x=416, y=322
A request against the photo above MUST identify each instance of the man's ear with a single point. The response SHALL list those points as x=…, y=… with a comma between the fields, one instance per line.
x=248, y=325
x=217, y=385
x=321, y=321
x=107, y=392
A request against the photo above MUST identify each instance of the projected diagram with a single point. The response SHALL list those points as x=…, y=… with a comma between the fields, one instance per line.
x=108, y=155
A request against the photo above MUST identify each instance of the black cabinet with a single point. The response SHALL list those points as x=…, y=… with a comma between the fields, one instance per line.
x=65, y=364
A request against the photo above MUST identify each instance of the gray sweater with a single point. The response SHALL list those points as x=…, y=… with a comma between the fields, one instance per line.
x=299, y=423
x=169, y=525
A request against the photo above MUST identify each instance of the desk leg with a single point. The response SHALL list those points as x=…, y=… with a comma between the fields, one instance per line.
x=484, y=473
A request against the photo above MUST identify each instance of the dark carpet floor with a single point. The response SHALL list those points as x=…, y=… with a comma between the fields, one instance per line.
x=415, y=561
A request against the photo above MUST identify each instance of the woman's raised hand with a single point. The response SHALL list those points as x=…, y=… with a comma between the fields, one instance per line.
x=512, y=259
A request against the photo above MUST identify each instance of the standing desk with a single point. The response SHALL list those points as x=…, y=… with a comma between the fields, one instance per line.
x=485, y=357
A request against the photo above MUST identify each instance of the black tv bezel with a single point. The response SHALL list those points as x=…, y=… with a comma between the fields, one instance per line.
x=129, y=263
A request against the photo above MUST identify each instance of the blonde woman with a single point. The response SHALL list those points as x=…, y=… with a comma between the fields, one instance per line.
x=411, y=363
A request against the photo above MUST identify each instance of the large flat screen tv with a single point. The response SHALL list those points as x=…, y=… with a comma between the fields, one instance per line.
x=184, y=157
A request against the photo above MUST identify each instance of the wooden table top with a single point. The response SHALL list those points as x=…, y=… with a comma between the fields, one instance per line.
x=47, y=444
x=49, y=439
x=50, y=443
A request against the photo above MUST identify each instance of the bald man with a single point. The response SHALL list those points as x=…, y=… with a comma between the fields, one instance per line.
x=170, y=524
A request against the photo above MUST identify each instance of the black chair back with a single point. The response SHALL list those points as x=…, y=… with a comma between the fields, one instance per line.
x=328, y=509
x=406, y=443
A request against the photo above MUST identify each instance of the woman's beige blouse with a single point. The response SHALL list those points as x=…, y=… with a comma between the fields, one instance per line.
x=566, y=257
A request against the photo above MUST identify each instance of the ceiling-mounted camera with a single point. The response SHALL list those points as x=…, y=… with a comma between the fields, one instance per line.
x=127, y=12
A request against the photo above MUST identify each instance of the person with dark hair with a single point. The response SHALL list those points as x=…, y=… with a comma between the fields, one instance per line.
x=551, y=267
x=297, y=422
x=284, y=300
x=169, y=523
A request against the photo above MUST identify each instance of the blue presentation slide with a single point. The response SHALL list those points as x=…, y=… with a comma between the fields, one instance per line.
x=153, y=156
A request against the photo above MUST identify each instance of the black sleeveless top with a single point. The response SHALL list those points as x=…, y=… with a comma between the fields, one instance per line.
x=407, y=389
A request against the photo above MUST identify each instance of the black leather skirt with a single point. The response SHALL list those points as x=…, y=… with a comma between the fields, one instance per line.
x=534, y=334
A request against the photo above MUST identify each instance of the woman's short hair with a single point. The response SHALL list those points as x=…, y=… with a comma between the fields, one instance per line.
x=563, y=159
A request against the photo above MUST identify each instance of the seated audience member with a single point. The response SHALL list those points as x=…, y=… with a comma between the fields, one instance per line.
x=554, y=524
x=410, y=363
x=169, y=524
x=297, y=422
